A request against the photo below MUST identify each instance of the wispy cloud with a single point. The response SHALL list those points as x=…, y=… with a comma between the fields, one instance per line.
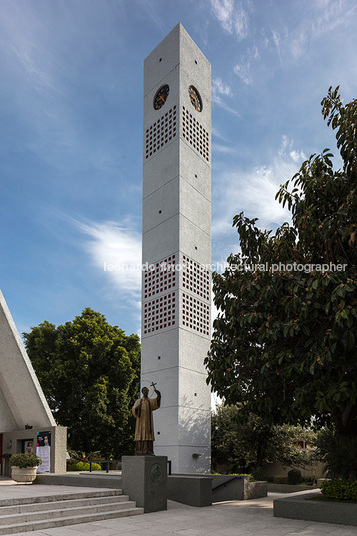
x=115, y=249
x=40, y=79
x=243, y=68
x=152, y=12
x=315, y=20
x=220, y=91
x=287, y=149
x=219, y=88
x=26, y=49
x=223, y=149
x=322, y=18
x=276, y=40
x=218, y=134
x=232, y=16
x=329, y=15
x=253, y=191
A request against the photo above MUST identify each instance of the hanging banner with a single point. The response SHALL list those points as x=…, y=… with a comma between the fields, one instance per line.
x=43, y=450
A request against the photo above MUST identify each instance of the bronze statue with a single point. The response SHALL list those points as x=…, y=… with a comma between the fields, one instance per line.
x=144, y=429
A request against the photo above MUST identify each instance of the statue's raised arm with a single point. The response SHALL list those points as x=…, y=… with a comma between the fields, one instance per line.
x=144, y=429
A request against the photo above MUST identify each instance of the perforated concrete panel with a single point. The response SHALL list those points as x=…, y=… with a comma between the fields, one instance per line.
x=176, y=301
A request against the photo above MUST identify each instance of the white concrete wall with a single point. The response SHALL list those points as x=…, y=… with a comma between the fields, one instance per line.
x=12, y=444
x=177, y=221
x=22, y=400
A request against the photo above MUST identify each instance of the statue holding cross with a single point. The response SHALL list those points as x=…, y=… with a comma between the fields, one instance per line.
x=144, y=429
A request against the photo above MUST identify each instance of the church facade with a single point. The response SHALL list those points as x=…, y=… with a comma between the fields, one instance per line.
x=25, y=417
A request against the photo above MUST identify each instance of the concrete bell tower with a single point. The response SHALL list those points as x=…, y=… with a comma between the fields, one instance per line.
x=176, y=303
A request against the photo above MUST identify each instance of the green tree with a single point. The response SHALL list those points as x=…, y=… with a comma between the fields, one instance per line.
x=89, y=371
x=338, y=453
x=247, y=444
x=284, y=343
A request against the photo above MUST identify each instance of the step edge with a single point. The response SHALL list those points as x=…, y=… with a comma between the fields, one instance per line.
x=59, y=497
x=120, y=506
x=57, y=522
x=58, y=504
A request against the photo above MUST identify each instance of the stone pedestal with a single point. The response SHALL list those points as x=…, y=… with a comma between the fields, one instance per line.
x=144, y=479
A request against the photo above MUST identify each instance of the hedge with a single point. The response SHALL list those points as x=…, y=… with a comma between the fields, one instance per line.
x=84, y=466
x=341, y=490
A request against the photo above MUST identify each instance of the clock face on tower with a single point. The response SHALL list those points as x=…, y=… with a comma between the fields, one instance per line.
x=195, y=98
x=161, y=96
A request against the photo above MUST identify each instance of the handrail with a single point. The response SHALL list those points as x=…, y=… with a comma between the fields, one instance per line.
x=101, y=461
x=118, y=461
x=225, y=482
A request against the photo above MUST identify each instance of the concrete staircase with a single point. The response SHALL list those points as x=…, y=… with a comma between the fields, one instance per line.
x=43, y=512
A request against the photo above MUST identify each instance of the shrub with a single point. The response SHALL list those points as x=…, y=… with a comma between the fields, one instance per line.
x=342, y=490
x=294, y=476
x=24, y=460
x=251, y=477
x=339, y=453
x=80, y=456
x=259, y=474
x=280, y=480
x=84, y=466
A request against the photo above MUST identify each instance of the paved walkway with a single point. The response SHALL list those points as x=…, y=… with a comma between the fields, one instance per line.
x=232, y=518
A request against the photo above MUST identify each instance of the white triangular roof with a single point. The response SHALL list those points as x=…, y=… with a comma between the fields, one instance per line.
x=21, y=398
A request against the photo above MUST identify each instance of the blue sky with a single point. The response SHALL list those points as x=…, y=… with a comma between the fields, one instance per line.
x=71, y=97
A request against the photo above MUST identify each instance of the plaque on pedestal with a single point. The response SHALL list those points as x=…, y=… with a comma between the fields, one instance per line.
x=144, y=479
